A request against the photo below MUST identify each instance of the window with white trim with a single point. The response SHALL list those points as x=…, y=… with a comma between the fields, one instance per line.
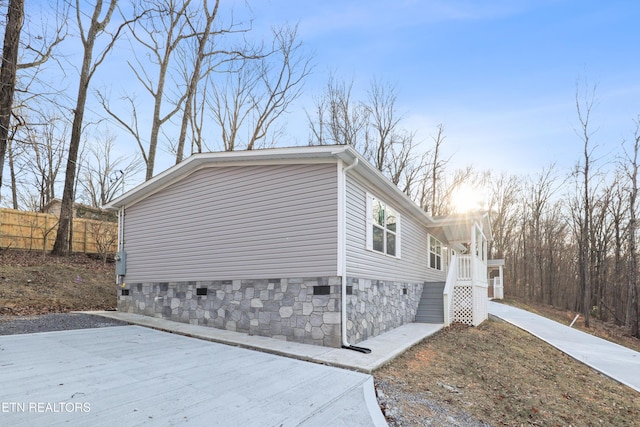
x=435, y=253
x=383, y=227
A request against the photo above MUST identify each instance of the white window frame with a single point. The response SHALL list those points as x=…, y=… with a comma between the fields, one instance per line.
x=369, y=227
x=438, y=255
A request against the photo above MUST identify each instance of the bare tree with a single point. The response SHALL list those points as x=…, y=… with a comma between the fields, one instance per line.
x=618, y=209
x=30, y=54
x=601, y=238
x=404, y=164
x=632, y=315
x=430, y=189
x=38, y=44
x=450, y=183
x=8, y=69
x=338, y=118
x=102, y=176
x=539, y=203
x=555, y=274
x=44, y=154
x=36, y=150
x=503, y=205
x=281, y=77
x=383, y=122
x=203, y=40
x=13, y=153
x=258, y=90
x=131, y=124
x=584, y=108
x=163, y=28
x=388, y=146
x=12, y=173
x=371, y=127
x=230, y=105
x=45, y=228
x=175, y=34
x=104, y=236
x=97, y=27
x=197, y=118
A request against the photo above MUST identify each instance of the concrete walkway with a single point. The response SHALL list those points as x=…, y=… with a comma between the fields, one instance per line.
x=384, y=347
x=618, y=362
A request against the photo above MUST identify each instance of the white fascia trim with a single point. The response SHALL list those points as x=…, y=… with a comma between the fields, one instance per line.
x=297, y=155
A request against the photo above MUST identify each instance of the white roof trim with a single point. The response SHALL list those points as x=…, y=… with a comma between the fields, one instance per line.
x=495, y=263
x=456, y=227
x=318, y=153
x=224, y=158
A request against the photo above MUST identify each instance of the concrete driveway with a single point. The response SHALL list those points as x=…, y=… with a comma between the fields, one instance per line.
x=131, y=375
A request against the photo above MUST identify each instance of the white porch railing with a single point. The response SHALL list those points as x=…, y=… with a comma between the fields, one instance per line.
x=464, y=269
x=471, y=269
x=447, y=294
x=466, y=293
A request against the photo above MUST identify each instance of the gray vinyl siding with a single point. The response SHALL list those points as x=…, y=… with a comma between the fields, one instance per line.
x=413, y=263
x=247, y=222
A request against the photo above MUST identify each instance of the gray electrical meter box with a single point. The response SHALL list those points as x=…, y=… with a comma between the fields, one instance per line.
x=121, y=263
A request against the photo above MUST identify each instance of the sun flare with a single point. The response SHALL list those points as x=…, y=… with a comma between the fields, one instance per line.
x=467, y=198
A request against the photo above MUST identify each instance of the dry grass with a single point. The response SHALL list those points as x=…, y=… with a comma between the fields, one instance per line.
x=33, y=284
x=504, y=376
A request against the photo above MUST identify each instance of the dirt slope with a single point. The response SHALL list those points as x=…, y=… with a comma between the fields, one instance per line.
x=503, y=376
x=31, y=283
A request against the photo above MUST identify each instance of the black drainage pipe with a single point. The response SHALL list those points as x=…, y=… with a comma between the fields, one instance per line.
x=356, y=348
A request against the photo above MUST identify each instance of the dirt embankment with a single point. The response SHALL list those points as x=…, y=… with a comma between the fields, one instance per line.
x=31, y=283
x=502, y=376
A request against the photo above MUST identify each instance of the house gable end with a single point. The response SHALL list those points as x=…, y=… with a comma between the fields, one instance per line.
x=236, y=221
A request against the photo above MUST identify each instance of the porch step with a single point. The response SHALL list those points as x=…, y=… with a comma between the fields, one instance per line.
x=430, y=309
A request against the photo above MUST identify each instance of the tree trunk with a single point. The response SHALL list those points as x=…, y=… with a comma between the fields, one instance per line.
x=12, y=174
x=633, y=311
x=435, y=170
x=192, y=86
x=631, y=318
x=15, y=16
x=61, y=246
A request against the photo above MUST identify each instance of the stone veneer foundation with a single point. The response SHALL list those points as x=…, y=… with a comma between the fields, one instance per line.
x=376, y=306
x=279, y=308
x=305, y=310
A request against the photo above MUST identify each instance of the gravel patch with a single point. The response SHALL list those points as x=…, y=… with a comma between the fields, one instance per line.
x=403, y=408
x=11, y=325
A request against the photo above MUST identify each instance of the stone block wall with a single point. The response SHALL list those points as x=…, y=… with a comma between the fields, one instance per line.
x=376, y=306
x=305, y=310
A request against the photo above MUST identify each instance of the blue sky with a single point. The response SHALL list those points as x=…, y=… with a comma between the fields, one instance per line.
x=500, y=76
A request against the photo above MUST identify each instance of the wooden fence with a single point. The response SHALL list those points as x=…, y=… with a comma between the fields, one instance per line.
x=37, y=232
